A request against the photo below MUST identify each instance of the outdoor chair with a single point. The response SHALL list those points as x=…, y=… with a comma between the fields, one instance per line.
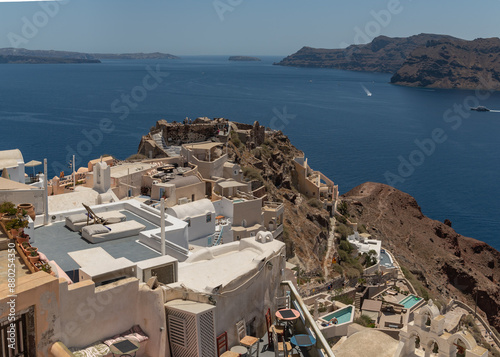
x=248, y=341
x=280, y=330
x=280, y=348
x=222, y=349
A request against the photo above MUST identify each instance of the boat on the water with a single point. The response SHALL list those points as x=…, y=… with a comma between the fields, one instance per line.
x=480, y=109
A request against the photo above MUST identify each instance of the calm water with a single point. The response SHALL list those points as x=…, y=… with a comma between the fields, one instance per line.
x=45, y=110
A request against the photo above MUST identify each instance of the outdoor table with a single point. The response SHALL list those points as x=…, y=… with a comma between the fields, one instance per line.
x=240, y=350
x=303, y=340
x=124, y=348
x=287, y=315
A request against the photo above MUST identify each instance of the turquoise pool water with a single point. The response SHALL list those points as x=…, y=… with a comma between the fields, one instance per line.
x=409, y=301
x=342, y=315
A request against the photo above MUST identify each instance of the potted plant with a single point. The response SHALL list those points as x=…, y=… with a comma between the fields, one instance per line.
x=8, y=211
x=25, y=246
x=33, y=255
x=27, y=209
x=46, y=268
x=38, y=265
x=16, y=225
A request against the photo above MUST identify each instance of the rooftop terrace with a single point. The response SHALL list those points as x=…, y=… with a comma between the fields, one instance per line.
x=56, y=241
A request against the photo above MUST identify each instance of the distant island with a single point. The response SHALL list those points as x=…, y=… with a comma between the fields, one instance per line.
x=22, y=55
x=243, y=58
x=4, y=59
x=425, y=60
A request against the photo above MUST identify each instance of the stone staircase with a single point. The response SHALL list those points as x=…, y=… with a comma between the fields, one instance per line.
x=171, y=151
x=357, y=301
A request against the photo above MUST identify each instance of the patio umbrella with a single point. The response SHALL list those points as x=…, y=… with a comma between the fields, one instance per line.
x=5, y=173
x=32, y=164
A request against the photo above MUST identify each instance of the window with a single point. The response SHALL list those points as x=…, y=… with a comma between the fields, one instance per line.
x=209, y=217
x=244, y=223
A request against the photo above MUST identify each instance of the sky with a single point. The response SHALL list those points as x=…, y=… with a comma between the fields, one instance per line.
x=234, y=27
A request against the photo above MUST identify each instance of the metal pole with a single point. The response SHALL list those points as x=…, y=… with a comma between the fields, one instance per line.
x=162, y=225
x=46, y=194
x=74, y=173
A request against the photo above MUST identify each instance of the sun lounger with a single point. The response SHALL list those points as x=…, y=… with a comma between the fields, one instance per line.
x=76, y=222
x=96, y=233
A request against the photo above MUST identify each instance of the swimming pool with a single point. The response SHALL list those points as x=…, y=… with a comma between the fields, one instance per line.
x=409, y=301
x=385, y=259
x=342, y=315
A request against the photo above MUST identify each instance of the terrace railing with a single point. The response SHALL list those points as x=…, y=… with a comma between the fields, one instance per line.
x=322, y=348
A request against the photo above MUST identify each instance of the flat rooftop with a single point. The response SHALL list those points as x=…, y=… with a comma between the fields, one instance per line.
x=124, y=169
x=233, y=264
x=57, y=240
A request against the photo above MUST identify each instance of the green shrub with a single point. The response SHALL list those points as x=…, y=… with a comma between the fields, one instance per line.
x=362, y=228
x=236, y=139
x=314, y=202
x=7, y=207
x=251, y=173
x=342, y=208
x=136, y=157
x=342, y=219
x=344, y=231
x=346, y=246
x=344, y=299
x=337, y=268
x=364, y=320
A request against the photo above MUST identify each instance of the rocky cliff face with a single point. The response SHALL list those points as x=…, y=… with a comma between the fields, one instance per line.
x=383, y=54
x=448, y=264
x=453, y=63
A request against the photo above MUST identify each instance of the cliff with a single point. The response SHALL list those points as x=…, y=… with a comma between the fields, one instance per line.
x=452, y=63
x=447, y=263
x=383, y=54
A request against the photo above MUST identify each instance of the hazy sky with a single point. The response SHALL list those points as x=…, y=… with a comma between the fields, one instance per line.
x=232, y=27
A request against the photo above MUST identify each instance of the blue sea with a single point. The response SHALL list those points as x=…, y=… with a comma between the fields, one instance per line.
x=425, y=142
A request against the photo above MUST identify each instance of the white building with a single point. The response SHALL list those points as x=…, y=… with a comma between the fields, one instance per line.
x=13, y=162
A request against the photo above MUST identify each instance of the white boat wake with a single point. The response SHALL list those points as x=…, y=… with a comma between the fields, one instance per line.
x=368, y=93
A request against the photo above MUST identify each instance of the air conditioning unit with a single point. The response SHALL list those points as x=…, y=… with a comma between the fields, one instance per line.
x=191, y=328
x=183, y=200
x=164, y=268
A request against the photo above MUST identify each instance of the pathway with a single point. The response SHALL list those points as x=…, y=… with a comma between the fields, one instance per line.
x=331, y=249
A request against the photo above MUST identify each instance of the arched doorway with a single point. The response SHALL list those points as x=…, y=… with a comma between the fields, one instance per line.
x=460, y=348
x=432, y=349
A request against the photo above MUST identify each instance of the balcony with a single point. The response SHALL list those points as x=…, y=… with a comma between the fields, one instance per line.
x=306, y=324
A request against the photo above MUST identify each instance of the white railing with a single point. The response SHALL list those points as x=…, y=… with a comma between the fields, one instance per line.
x=322, y=346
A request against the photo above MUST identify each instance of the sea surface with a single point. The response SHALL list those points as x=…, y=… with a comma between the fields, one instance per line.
x=451, y=162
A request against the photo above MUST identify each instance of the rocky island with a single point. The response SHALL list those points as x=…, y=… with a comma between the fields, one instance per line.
x=243, y=58
x=22, y=55
x=425, y=60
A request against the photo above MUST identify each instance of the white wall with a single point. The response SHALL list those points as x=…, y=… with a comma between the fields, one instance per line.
x=34, y=196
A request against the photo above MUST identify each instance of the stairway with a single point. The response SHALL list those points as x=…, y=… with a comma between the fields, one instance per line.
x=357, y=301
x=218, y=239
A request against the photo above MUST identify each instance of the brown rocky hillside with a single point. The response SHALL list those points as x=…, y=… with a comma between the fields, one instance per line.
x=448, y=264
x=452, y=63
x=383, y=54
